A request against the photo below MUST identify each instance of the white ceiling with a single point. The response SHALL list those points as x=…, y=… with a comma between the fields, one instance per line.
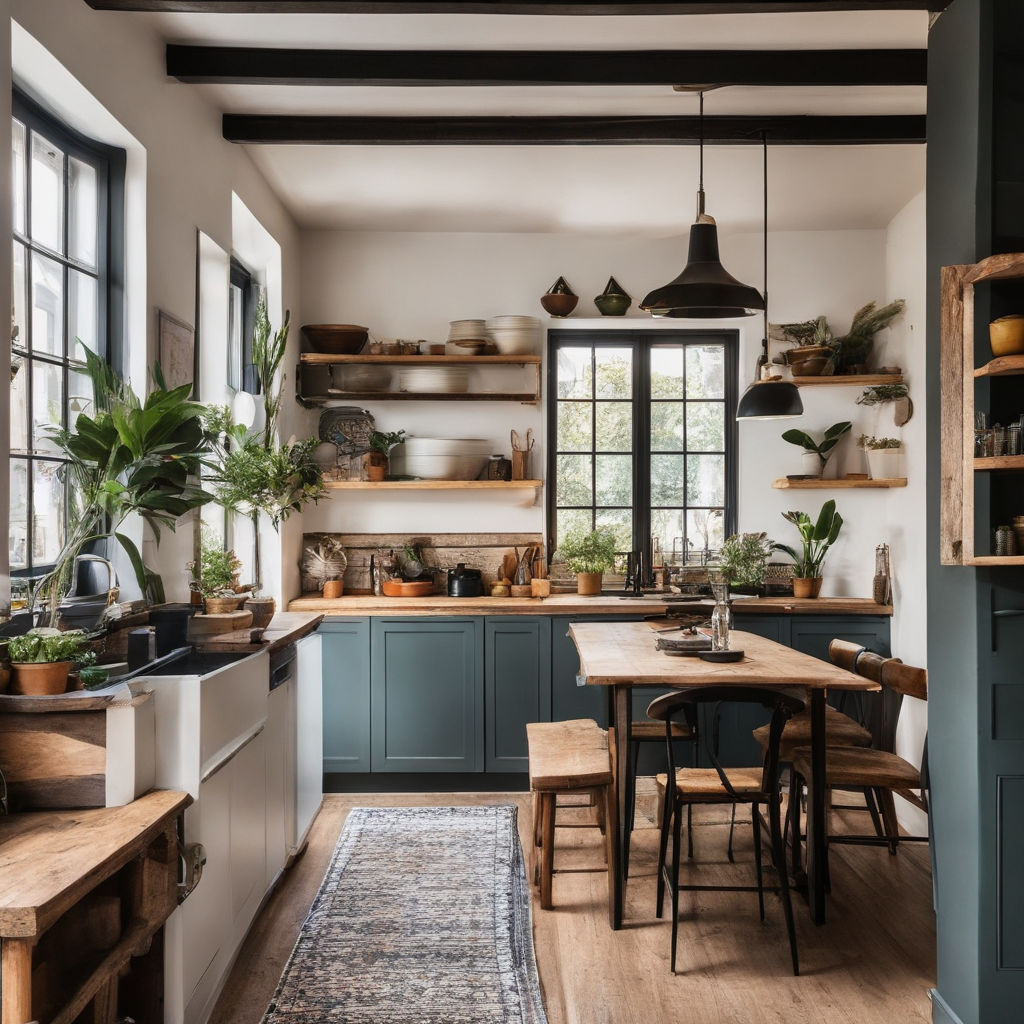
x=595, y=189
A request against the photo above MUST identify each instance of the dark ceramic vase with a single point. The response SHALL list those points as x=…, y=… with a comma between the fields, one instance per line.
x=613, y=301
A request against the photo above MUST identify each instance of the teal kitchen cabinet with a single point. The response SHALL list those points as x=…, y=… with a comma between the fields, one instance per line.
x=811, y=634
x=569, y=701
x=426, y=695
x=346, y=682
x=517, y=687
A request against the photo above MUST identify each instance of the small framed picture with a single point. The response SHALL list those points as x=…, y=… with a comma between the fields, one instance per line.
x=176, y=350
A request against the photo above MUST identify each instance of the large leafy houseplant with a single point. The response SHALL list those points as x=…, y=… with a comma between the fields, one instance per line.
x=41, y=660
x=743, y=561
x=816, y=537
x=129, y=457
x=852, y=350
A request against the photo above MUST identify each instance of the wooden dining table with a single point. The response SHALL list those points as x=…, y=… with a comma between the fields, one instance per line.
x=622, y=655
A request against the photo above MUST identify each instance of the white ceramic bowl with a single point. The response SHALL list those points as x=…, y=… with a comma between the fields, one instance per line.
x=444, y=467
x=448, y=380
x=447, y=446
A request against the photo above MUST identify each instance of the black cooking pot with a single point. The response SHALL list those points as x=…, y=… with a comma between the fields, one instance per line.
x=463, y=582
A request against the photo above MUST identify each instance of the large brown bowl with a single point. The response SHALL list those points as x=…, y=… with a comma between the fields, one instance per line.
x=336, y=339
x=559, y=304
x=1007, y=335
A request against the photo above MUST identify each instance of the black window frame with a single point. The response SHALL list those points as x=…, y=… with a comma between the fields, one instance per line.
x=109, y=163
x=242, y=278
x=641, y=342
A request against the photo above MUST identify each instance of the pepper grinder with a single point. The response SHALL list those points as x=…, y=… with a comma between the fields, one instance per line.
x=881, y=585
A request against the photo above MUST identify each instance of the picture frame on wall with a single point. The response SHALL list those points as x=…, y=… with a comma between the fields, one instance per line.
x=176, y=350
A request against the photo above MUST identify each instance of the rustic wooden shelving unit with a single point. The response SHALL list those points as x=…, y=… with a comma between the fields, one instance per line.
x=958, y=376
x=318, y=359
x=828, y=485
x=434, y=485
x=861, y=380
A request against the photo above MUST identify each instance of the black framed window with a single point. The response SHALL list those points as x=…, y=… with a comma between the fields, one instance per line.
x=68, y=251
x=642, y=437
x=243, y=295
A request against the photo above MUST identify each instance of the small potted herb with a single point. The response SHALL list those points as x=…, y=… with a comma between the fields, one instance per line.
x=42, y=659
x=381, y=443
x=816, y=538
x=588, y=553
x=885, y=457
x=851, y=352
x=744, y=556
x=817, y=453
x=215, y=579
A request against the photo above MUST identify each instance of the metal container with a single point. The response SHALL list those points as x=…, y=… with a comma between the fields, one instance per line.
x=463, y=582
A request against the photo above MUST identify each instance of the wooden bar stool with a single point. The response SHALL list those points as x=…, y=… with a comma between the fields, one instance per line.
x=568, y=757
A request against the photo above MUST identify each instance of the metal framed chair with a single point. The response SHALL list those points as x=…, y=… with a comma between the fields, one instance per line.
x=717, y=785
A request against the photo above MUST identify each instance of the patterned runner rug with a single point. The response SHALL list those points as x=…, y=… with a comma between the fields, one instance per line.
x=423, y=918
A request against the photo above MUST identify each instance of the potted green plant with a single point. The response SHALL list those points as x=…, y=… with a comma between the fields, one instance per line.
x=743, y=560
x=215, y=578
x=817, y=453
x=816, y=538
x=809, y=341
x=851, y=352
x=588, y=553
x=885, y=457
x=381, y=444
x=42, y=659
x=898, y=395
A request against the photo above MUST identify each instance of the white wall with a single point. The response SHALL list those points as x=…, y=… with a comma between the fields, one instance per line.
x=105, y=74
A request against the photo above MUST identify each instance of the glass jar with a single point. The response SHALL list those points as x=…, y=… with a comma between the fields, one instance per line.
x=721, y=618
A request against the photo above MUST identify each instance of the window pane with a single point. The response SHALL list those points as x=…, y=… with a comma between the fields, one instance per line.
x=17, y=546
x=704, y=529
x=47, y=306
x=19, y=329
x=705, y=427
x=574, y=480
x=234, y=337
x=575, y=429
x=705, y=371
x=667, y=427
x=47, y=512
x=18, y=174
x=614, y=372
x=47, y=224
x=614, y=480
x=567, y=519
x=620, y=522
x=705, y=480
x=82, y=211
x=614, y=426
x=47, y=404
x=19, y=409
x=83, y=322
x=667, y=531
x=667, y=476
x=79, y=395
x=667, y=372
x=574, y=376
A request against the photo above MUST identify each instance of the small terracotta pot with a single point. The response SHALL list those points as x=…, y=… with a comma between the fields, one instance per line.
x=588, y=583
x=262, y=609
x=807, y=586
x=376, y=467
x=540, y=588
x=333, y=588
x=40, y=679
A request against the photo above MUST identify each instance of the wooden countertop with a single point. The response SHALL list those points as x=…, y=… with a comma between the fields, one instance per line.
x=285, y=628
x=573, y=604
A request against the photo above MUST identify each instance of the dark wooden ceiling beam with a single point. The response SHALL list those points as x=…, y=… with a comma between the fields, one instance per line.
x=539, y=7
x=264, y=65
x=546, y=131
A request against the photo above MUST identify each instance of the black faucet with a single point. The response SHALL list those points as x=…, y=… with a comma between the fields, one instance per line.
x=634, y=573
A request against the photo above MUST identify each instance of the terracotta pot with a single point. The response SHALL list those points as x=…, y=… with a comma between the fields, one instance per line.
x=376, y=466
x=807, y=586
x=39, y=679
x=588, y=583
x=263, y=609
x=220, y=605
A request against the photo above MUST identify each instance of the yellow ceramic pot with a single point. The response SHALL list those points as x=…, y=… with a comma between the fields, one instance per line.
x=1006, y=335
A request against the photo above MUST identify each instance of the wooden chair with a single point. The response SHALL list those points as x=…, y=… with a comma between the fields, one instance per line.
x=878, y=772
x=568, y=757
x=718, y=785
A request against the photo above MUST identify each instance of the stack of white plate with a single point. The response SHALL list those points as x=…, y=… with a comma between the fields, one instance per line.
x=514, y=335
x=441, y=380
x=359, y=378
x=467, y=330
x=442, y=458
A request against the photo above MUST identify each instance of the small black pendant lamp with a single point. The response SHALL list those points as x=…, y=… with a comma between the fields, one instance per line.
x=767, y=399
x=704, y=290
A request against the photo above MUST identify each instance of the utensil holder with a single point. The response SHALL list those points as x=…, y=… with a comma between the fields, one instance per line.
x=520, y=465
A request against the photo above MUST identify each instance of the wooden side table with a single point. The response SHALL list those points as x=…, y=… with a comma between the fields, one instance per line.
x=81, y=894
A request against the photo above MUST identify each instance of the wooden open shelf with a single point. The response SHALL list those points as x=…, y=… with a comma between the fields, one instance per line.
x=999, y=462
x=433, y=485
x=1004, y=366
x=861, y=380
x=828, y=485
x=423, y=396
x=995, y=560
x=321, y=359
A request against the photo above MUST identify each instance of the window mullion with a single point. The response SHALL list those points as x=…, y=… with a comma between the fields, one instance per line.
x=642, y=447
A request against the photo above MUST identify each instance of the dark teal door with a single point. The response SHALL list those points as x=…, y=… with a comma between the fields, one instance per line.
x=426, y=695
x=569, y=701
x=811, y=634
x=346, y=673
x=517, y=687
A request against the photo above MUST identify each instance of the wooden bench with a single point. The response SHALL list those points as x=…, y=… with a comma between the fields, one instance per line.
x=568, y=757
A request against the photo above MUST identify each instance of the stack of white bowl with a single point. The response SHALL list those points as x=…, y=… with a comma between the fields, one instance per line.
x=465, y=337
x=441, y=458
x=514, y=335
x=440, y=380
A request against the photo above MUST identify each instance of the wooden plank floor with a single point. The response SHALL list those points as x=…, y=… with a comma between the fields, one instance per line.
x=873, y=962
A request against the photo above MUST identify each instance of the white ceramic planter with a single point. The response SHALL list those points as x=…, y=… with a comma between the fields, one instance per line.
x=810, y=464
x=885, y=463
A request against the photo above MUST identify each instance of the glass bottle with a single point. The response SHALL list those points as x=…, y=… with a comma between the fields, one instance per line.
x=720, y=618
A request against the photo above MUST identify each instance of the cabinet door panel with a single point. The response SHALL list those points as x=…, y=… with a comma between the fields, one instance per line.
x=426, y=705
x=346, y=689
x=517, y=687
x=772, y=627
x=811, y=634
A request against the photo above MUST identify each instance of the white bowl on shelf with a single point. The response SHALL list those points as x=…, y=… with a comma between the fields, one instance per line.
x=445, y=380
x=514, y=335
x=447, y=446
x=442, y=467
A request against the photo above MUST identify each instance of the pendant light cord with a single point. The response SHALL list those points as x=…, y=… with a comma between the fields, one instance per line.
x=700, y=186
x=764, y=177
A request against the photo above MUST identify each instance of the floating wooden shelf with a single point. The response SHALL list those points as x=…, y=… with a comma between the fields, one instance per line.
x=1004, y=366
x=321, y=359
x=860, y=380
x=999, y=462
x=995, y=560
x=422, y=396
x=434, y=485
x=828, y=485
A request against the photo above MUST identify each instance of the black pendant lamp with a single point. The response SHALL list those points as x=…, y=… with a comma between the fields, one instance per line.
x=704, y=290
x=767, y=398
